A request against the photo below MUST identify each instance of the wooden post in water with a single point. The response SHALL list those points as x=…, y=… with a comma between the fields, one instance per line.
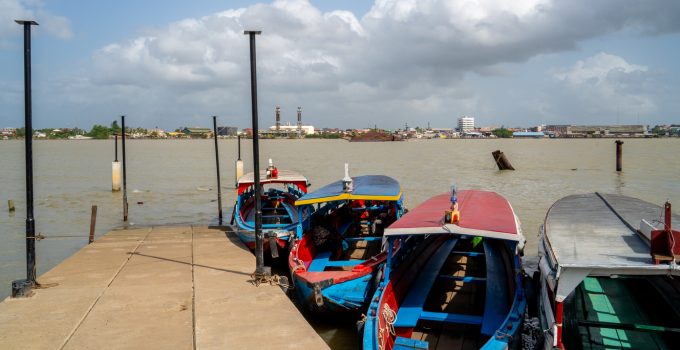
x=501, y=160
x=10, y=205
x=93, y=222
x=619, y=154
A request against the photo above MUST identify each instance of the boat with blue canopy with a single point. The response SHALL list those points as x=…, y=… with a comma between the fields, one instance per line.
x=453, y=277
x=280, y=190
x=338, y=252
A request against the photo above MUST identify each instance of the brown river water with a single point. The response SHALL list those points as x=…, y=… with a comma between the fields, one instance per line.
x=174, y=181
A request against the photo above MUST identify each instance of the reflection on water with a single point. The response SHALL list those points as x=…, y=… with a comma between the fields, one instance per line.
x=173, y=181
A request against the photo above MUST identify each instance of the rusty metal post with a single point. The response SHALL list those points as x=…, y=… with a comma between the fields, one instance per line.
x=93, y=223
x=619, y=154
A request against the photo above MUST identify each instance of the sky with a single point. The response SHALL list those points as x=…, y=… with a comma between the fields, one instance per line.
x=348, y=64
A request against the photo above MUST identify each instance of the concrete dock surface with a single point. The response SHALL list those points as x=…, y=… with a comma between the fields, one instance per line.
x=156, y=288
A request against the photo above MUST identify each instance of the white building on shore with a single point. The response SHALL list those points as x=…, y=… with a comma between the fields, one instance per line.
x=466, y=124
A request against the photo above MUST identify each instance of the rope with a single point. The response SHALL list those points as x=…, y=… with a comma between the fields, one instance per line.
x=390, y=318
x=273, y=280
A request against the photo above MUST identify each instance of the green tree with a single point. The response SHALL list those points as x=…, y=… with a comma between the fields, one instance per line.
x=115, y=129
x=502, y=132
x=21, y=132
x=99, y=132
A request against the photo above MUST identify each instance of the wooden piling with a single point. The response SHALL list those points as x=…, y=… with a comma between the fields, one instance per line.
x=619, y=154
x=501, y=160
x=10, y=205
x=93, y=223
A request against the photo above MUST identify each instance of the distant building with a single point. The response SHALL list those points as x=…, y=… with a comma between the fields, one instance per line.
x=9, y=132
x=227, y=131
x=288, y=131
x=528, y=134
x=466, y=124
x=197, y=132
x=606, y=130
x=558, y=130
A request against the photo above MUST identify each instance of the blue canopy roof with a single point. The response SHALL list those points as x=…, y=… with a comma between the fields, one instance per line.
x=367, y=187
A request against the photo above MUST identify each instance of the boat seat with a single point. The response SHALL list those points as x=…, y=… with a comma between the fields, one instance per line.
x=411, y=309
x=465, y=279
x=497, y=294
x=450, y=318
x=321, y=261
x=355, y=239
x=470, y=254
x=402, y=343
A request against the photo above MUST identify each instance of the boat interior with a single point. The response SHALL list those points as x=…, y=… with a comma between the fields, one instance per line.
x=460, y=297
x=626, y=312
x=348, y=233
x=278, y=207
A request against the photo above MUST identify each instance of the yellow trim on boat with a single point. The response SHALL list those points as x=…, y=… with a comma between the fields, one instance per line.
x=348, y=196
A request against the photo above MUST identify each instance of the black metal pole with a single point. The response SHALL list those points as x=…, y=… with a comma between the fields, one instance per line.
x=259, y=255
x=217, y=163
x=115, y=136
x=239, y=146
x=122, y=141
x=23, y=287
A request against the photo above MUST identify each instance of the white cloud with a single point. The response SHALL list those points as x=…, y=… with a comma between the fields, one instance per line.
x=11, y=10
x=607, y=84
x=400, y=60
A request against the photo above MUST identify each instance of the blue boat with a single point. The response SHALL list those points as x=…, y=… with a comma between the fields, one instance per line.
x=336, y=257
x=280, y=190
x=452, y=279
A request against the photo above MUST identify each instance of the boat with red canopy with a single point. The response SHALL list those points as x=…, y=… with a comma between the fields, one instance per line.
x=453, y=277
x=280, y=190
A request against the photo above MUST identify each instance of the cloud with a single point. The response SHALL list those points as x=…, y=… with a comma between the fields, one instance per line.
x=11, y=10
x=605, y=84
x=403, y=60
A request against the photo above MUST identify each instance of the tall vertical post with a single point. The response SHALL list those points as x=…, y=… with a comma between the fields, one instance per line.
x=619, y=153
x=122, y=141
x=21, y=288
x=259, y=256
x=217, y=164
x=115, y=147
x=299, y=122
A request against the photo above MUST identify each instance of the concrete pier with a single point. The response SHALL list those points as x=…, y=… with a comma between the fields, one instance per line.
x=156, y=288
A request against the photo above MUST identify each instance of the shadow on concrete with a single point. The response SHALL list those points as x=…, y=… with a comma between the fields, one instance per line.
x=190, y=264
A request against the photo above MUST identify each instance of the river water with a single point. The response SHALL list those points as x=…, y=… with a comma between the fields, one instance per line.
x=174, y=181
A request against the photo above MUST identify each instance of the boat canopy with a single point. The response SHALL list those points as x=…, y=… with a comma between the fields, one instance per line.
x=284, y=177
x=600, y=235
x=367, y=187
x=482, y=213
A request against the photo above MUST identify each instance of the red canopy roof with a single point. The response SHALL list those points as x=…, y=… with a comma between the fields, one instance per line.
x=482, y=213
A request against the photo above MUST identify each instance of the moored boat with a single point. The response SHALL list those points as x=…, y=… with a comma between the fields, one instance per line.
x=453, y=277
x=338, y=252
x=607, y=266
x=280, y=190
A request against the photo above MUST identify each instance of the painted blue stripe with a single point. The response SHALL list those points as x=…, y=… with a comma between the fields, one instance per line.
x=344, y=262
x=450, y=318
x=319, y=262
x=457, y=252
x=463, y=278
x=402, y=343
